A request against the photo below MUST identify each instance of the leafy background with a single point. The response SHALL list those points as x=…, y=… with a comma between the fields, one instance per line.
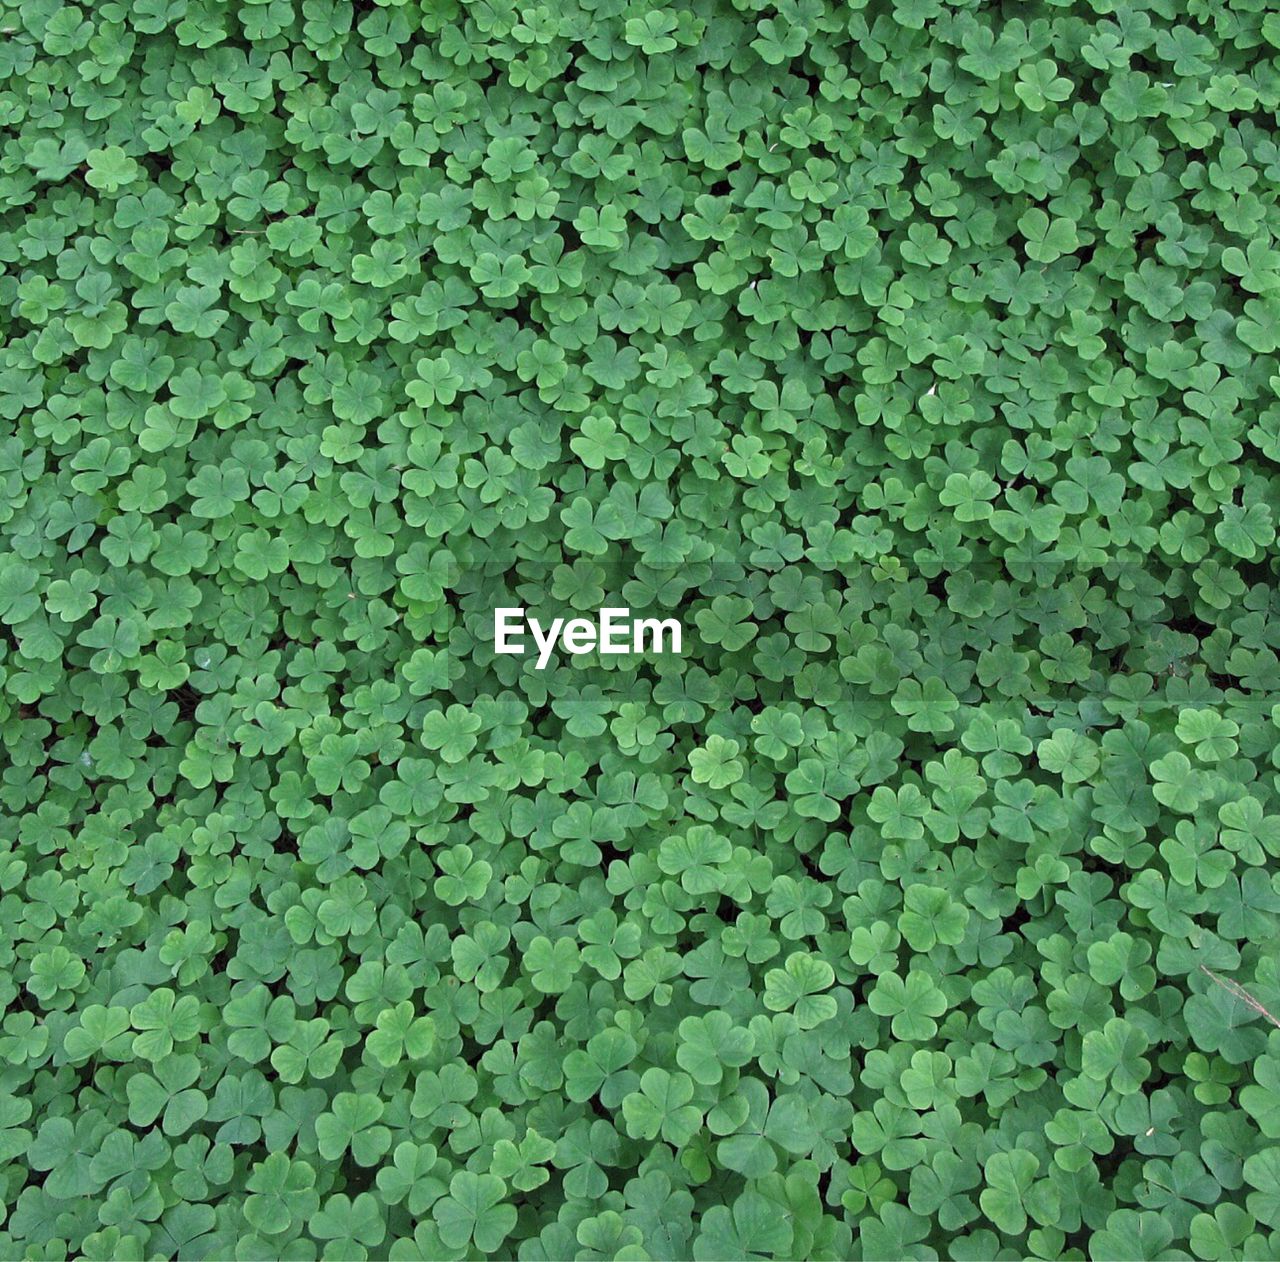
x=921, y=354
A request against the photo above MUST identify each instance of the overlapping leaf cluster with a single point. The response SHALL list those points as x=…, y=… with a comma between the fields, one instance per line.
x=922, y=356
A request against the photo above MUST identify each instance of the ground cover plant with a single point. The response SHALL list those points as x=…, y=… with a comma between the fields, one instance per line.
x=921, y=357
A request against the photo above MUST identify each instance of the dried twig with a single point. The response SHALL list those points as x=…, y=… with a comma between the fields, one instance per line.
x=1239, y=992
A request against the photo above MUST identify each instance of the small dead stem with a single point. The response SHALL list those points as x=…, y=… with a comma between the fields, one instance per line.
x=1239, y=992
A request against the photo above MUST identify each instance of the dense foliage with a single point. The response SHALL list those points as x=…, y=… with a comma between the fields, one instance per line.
x=921, y=355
